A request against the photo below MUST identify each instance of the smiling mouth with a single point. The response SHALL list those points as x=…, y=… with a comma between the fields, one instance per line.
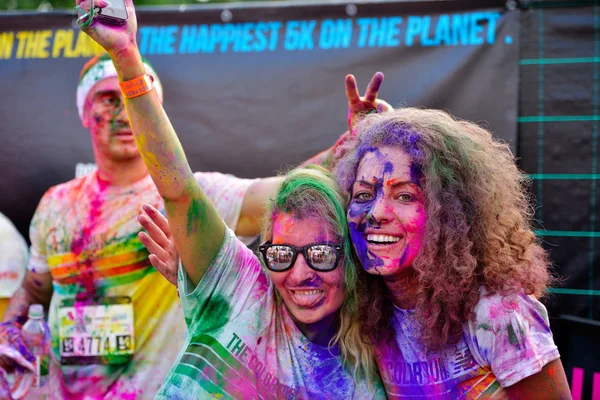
x=307, y=298
x=382, y=239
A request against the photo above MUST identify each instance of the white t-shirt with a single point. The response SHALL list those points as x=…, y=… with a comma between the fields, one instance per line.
x=226, y=192
x=84, y=232
x=242, y=344
x=509, y=340
x=13, y=258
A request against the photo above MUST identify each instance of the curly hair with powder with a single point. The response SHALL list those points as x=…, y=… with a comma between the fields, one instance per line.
x=478, y=231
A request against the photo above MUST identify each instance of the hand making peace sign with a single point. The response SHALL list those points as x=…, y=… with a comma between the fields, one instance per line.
x=360, y=106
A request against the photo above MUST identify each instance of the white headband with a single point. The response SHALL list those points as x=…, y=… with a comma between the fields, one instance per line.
x=102, y=70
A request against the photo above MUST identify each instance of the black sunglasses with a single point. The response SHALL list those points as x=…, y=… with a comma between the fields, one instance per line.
x=322, y=257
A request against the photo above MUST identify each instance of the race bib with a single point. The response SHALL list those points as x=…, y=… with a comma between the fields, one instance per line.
x=96, y=332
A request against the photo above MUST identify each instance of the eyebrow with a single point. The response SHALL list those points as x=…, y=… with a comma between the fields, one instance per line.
x=392, y=183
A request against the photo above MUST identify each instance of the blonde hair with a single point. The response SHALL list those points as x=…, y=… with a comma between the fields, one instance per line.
x=311, y=192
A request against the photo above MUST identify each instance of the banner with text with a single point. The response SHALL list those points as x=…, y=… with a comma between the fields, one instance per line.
x=251, y=90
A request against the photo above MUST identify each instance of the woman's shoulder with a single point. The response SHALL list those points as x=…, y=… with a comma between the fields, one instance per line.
x=497, y=308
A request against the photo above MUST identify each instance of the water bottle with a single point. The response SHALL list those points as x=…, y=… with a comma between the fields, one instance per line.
x=36, y=335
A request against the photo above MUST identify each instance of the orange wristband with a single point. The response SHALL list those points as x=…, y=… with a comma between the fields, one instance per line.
x=137, y=86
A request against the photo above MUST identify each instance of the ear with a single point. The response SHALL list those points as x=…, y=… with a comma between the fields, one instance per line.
x=85, y=118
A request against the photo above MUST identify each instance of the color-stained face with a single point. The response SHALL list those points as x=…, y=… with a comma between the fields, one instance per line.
x=310, y=296
x=386, y=215
x=105, y=117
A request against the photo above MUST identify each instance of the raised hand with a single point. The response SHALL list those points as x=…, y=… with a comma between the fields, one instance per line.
x=114, y=38
x=160, y=244
x=359, y=106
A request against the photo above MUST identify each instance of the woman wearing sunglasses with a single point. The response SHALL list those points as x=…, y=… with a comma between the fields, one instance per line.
x=280, y=333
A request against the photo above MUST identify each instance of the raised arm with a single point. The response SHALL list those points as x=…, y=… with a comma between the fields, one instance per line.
x=159, y=240
x=195, y=224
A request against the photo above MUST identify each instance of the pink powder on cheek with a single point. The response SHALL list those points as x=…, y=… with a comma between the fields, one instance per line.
x=418, y=221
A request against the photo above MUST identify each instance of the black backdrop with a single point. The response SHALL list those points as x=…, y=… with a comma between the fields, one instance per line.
x=558, y=143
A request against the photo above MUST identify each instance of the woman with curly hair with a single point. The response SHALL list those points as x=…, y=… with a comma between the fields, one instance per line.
x=440, y=221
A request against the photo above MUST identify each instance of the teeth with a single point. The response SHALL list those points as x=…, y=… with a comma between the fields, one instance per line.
x=382, y=238
x=306, y=292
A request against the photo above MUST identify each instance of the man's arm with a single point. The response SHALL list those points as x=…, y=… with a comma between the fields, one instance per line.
x=254, y=205
x=35, y=289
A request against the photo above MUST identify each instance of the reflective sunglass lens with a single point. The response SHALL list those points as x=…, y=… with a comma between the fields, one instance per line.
x=279, y=257
x=322, y=257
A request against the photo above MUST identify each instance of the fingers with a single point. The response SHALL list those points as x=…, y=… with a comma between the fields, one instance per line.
x=153, y=230
x=373, y=88
x=87, y=9
x=383, y=106
x=153, y=247
x=156, y=225
x=169, y=273
x=160, y=259
x=86, y=4
x=159, y=219
x=352, y=90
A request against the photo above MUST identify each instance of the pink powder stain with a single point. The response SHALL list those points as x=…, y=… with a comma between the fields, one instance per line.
x=501, y=311
x=498, y=312
x=87, y=273
x=95, y=379
x=118, y=391
x=131, y=395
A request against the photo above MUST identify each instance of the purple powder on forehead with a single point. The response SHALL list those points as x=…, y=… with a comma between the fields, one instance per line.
x=415, y=173
x=407, y=138
x=388, y=167
x=364, y=149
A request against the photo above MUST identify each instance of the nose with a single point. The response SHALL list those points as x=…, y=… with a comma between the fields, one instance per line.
x=379, y=212
x=119, y=113
x=301, y=272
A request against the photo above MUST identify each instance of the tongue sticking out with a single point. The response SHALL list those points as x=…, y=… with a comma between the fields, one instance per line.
x=306, y=298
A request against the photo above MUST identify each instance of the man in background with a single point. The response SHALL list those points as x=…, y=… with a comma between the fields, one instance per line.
x=88, y=266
